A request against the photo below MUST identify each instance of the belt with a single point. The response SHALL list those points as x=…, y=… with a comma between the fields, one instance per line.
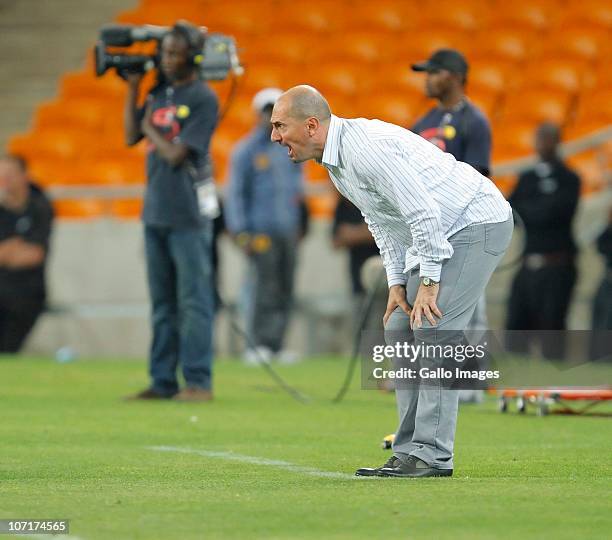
x=536, y=261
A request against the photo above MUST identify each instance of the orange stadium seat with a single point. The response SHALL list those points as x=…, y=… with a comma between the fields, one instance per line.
x=294, y=49
x=126, y=208
x=346, y=107
x=505, y=184
x=114, y=148
x=52, y=143
x=564, y=75
x=418, y=45
x=387, y=16
x=591, y=166
x=238, y=19
x=322, y=16
x=601, y=78
x=582, y=128
x=507, y=46
x=89, y=114
x=393, y=108
x=316, y=173
x=448, y=15
x=321, y=206
x=260, y=76
x=163, y=14
x=116, y=172
x=486, y=101
x=583, y=44
x=491, y=76
x=513, y=140
x=343, y=78
x=535, y=106
x=370, y=47
x=54, y=172
x=587, y=15
x=594, y=108
x=80, y=208
x=398, y=77
x=108, y=88
x=240, y=116
x=523, y=15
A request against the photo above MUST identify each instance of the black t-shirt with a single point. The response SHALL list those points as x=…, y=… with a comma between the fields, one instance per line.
x=546, y=198
x=33, y=225
x=465, y=133
x=187, y=113
x=347, y=212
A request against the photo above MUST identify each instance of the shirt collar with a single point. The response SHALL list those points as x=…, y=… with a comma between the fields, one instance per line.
x=331, y=152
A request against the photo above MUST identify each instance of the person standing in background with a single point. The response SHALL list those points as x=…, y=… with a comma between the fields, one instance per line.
x=178, y=120
x=264, y=214
x=26, y=218
x=455, y=126
x=602, y=302
x=350, y=232
x=546, y=198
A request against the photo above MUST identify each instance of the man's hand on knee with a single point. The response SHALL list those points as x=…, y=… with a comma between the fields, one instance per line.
x=425, y=304
x=397, y=297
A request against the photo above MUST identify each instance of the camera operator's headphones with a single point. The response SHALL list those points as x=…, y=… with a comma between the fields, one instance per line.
x=195, y=41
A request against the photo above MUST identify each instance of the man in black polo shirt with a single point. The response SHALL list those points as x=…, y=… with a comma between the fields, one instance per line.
x=25, y=226
x=178, y=121
x=456, y=125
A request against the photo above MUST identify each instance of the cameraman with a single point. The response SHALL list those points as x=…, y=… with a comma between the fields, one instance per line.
x=178, y=119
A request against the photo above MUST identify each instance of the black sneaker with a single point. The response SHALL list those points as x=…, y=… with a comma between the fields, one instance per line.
x=369, y=471
x=413, y=467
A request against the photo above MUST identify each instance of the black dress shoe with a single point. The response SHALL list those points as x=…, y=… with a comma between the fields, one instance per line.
x=147, y=395
x=413, y=467
x=369, y=471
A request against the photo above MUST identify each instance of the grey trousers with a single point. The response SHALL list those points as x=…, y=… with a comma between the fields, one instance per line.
x=272, y=289
x=428, y=413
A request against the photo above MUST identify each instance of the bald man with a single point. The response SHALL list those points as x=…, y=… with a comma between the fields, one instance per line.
x=441, y=228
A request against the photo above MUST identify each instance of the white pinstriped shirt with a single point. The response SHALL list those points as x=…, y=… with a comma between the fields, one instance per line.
x=412, y=195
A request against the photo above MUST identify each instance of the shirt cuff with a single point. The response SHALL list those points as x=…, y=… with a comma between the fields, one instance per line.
x=395, y=277
x=432, y=270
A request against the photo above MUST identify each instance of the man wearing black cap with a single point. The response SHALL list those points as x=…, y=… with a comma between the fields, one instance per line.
x=460, y=128
x=456, y=125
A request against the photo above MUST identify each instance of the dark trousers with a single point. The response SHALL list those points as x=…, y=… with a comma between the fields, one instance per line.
x=272, y=292
x=17, y=318
x=539, y=300
x=182, y=299
x=602, y=320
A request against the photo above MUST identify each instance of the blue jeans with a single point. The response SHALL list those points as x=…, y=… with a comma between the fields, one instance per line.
x=180, y=279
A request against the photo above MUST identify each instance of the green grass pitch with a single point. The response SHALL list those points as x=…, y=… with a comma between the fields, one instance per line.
x=254, y=463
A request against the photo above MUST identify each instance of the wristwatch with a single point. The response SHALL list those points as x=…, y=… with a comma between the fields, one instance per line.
x=428, y=282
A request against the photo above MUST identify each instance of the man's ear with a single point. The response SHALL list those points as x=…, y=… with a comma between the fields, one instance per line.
x=312, y=125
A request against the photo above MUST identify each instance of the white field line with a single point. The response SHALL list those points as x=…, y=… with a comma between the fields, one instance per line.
x=254, y=460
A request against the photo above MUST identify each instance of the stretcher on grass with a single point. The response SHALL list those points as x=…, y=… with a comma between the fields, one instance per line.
x=570, y=400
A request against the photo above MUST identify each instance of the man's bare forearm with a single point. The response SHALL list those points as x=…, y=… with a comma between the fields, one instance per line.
x=132, y=127
x=173, y=153
x=349, y=235
x=16, y=253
